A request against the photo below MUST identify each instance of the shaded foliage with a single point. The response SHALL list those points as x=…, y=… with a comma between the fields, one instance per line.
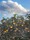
x=15, y=28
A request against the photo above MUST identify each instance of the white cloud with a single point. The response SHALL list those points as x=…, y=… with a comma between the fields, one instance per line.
x=8, y=8
x=20, y=7
x=13, y=7
x=9, y=0
x=3, y=1
x=4, y=14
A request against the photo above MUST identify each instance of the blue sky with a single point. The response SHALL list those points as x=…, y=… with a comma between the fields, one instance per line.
x=24, y=3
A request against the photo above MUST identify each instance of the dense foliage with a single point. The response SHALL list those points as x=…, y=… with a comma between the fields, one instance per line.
x=15, y=28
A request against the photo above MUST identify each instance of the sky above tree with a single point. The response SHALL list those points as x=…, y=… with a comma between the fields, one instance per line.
x=9, y=7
